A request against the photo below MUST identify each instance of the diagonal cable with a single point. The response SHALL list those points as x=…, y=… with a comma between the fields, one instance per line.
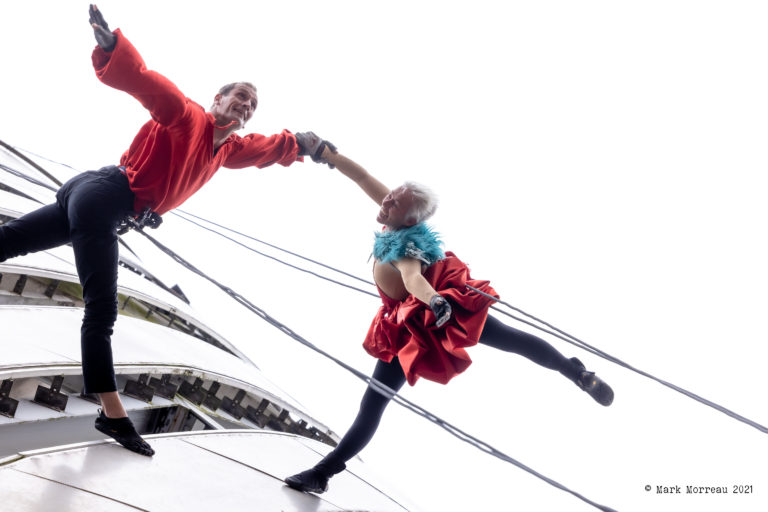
x=589, y=348
x=279, y=260
x=28, y=160
x=329, y=267
x=28, y=178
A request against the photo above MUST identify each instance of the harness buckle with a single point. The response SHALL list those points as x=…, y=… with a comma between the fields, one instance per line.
x=146, y=218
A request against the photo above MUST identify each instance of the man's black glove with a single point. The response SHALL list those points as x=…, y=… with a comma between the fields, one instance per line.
x=313, y=146
x=441, y=309
x=104, y=37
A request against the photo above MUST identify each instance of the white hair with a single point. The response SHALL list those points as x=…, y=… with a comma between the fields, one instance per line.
x=424, y=201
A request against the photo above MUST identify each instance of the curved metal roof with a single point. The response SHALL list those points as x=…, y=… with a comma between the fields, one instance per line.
x=37, y=338
x=232, y=470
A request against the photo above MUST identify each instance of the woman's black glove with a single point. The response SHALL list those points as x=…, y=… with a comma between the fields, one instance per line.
x=310, y=144
x=441, y=309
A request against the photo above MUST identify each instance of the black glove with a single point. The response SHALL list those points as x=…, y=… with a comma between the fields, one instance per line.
x=104, y=37
x=313, y=146
x=441, y=309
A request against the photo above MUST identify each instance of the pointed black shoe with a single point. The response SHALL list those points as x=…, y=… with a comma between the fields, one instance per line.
x=310, y=480
x=595, y=387
x=122, y=431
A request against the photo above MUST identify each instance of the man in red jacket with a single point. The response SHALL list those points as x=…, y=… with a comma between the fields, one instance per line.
x=172, y=156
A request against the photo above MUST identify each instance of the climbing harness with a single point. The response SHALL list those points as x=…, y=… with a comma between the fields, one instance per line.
x=147, y=218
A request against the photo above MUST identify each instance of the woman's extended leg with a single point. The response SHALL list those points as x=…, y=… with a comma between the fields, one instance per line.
x=503, y=337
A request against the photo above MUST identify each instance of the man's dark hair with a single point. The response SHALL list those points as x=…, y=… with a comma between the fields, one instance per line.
x=224, y=90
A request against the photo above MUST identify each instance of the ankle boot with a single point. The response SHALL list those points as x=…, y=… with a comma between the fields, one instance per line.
x=315, y=479
x=593, y=385
x=310, y=480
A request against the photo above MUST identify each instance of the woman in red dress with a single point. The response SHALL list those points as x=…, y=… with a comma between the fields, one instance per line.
x=428, y=317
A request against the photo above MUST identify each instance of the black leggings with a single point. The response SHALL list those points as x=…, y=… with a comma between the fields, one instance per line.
x=87, y=211
x=495, y=334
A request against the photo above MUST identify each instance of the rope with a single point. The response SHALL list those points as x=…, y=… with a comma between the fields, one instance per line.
x=18, y=153
x=267, y=244
x=579, y=343
x=373, y=383
x=279, y=260
x=27, y=178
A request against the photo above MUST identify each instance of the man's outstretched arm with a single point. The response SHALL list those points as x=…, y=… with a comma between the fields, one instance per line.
x=375, y=189
x=119, y=65
x=104, y=37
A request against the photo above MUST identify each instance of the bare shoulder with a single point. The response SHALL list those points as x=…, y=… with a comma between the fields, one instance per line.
x=389, y=280
x=407, y=266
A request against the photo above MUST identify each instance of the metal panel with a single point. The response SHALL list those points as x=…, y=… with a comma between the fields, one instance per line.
x=28, y=493
x=180, y=477
x=59, y=264
x=282, y=455
x=39, y=339
x=56, y=335
x=55, y=264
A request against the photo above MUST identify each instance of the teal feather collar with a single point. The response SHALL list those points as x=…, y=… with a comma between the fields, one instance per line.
x=419, y=242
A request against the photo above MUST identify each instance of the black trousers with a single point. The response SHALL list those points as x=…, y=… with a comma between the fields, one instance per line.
x=495, y=334
x=86, y=213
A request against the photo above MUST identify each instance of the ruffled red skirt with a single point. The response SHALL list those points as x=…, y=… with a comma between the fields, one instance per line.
x=407, y=329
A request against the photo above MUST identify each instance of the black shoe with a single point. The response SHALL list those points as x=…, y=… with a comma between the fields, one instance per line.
x=595, y=387
x=310, y=480
x=122, y=431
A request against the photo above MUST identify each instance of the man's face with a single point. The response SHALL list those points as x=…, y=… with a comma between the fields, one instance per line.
x=394, y=209
x=237, y=105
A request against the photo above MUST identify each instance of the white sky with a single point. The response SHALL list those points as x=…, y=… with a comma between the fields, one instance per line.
x=602, y=163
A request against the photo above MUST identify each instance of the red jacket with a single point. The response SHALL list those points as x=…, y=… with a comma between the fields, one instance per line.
x=172, y=156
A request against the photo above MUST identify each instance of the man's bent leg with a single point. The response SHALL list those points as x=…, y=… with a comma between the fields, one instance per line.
x=44, y=228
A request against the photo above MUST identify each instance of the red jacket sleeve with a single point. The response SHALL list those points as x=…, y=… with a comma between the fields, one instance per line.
x=124, y=69
x=262, y=151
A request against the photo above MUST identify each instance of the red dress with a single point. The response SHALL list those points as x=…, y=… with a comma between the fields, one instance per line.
x=406, y=329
